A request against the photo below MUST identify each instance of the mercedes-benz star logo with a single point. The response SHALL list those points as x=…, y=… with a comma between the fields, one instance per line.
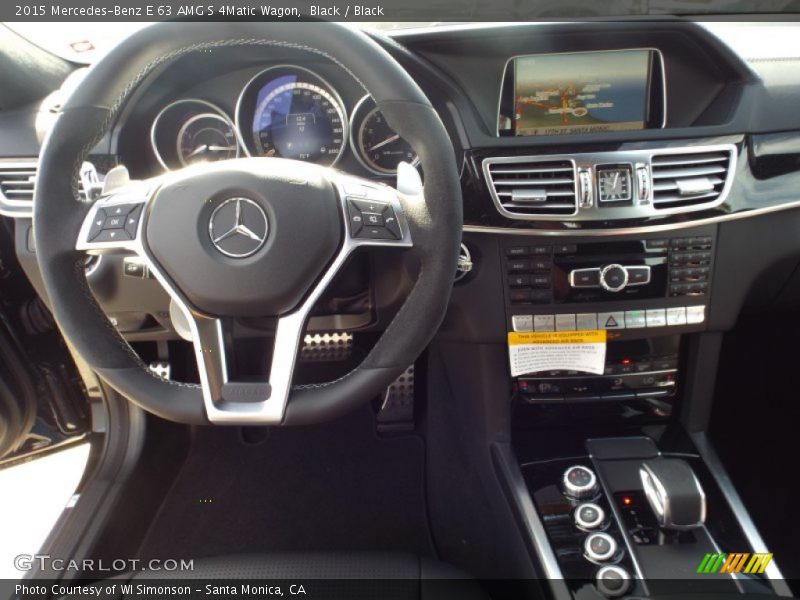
x=238, y=227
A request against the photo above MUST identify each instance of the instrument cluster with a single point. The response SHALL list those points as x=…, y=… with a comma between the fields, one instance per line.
x=283, y=111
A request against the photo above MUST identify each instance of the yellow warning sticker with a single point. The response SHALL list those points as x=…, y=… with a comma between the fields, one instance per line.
x=531, y=352
x=557, y=337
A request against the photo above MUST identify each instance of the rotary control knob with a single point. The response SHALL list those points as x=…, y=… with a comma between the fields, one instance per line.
x=580, y=482
x=589, y=516
x=600, y=547
x=613, y=278
x=612, y=581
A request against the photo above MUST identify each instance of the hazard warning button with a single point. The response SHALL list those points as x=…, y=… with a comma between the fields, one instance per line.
x=611, y=320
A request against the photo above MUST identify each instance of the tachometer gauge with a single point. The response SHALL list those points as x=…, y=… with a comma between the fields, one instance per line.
x=206, y=137
x=192, y=130
x=290, y=112
x=379, y=148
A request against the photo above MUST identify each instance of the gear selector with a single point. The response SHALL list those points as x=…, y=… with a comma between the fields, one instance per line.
x=674, y=493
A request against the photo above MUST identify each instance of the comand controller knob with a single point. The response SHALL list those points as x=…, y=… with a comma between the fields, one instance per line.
x=613, y=278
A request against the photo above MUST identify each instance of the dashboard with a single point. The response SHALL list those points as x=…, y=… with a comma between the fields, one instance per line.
x=564, y=132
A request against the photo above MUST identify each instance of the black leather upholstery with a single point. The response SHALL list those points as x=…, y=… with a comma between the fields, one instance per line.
x=346, y=575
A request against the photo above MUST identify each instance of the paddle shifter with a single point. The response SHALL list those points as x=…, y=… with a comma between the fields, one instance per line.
x=674, y=493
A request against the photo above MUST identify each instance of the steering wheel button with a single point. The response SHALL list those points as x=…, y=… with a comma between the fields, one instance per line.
x=390, y=222
x=112, y=235
x=368, y=206
x=115, y=222
x=355, y=217
x=372, y=219
x=120, y=209
x=97, y=225
x=132, y=220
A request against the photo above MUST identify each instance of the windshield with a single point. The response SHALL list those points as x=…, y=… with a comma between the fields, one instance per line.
x=86, y=42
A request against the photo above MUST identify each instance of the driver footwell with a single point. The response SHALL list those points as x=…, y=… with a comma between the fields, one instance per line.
x=337, y=486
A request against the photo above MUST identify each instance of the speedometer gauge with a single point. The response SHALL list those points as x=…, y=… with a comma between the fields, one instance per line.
x=290, y=112
x=299, y=120
x=378, y=147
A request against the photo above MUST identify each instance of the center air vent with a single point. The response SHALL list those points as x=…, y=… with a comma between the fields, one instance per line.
x=691, y=179
x=525, y=187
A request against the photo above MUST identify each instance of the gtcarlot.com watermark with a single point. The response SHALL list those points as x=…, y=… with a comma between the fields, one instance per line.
x=45, y=562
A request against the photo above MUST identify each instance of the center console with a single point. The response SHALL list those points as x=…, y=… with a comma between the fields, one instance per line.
x=627, y=503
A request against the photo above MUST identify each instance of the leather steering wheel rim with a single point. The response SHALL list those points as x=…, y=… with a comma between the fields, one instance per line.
x=59, y=211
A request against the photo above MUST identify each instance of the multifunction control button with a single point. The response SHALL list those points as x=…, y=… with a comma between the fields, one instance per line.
x=600, y=547
x=114, y=223
x=589, y=516
x=580, y=482
x=372, y=220
x=612, y=581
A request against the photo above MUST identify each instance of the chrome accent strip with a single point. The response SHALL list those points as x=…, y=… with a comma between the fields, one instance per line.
x=591, y=161
x=717, y=469
x=656, y=52
x=619, y=231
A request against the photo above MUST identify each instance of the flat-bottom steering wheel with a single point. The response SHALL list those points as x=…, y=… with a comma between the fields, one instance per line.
x=248, y=237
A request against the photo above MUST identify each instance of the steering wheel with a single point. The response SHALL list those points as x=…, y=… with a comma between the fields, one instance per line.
x=246, y=237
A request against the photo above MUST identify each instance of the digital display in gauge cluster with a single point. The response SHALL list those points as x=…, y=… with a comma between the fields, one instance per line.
x=290, y=112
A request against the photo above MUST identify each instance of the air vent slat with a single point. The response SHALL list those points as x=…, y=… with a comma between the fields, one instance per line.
x=532, y=187
x=668, y=161
x=523, y=171
x=687, y=172
x=689, y=179
x=536, y=208
x=549, y=193
x=668, y=186
x=538, y=181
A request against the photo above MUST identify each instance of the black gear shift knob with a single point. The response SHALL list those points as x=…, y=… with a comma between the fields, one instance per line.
x=674, y=493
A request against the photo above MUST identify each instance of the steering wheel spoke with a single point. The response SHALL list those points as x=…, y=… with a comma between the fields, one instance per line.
x=246, y=402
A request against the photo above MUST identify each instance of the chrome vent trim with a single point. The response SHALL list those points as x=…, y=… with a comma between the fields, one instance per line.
x=17, y=180
x=664, y=180
x=691, y=179
x=531, y=187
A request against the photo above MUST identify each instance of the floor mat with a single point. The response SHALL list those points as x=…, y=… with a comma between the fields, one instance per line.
x=331, y=487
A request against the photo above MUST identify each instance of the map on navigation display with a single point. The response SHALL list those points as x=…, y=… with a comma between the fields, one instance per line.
x=581, y=92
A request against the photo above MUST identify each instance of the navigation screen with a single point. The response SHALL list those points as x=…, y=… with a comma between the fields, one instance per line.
x=581, y=92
